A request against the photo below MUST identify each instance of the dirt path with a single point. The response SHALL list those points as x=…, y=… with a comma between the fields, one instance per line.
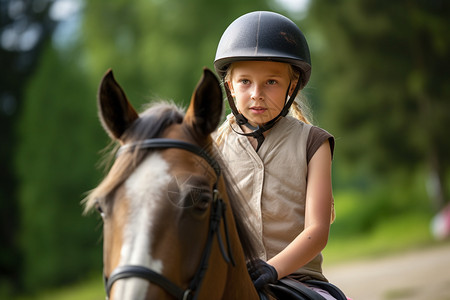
x=416, y=275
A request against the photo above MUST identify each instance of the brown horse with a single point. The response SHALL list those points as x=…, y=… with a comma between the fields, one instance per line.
x=167, y=234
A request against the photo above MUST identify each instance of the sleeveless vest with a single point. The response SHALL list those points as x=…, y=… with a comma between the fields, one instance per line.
x=273, y=182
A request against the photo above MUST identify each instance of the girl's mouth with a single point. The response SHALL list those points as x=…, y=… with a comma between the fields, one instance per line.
x=258, y=109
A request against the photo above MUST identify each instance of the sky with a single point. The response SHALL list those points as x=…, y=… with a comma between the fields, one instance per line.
x=296, y=6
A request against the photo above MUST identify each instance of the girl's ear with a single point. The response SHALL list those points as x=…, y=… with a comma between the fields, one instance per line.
x=292, y=88
x=230, y=87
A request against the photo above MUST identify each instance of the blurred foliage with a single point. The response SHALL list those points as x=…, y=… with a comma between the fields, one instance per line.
x=384, y=82
x=59, y=140
x=361, y=212
x=24, y=28
x=159, y=48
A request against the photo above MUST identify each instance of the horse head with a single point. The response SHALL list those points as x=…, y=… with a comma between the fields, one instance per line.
x=166, y=232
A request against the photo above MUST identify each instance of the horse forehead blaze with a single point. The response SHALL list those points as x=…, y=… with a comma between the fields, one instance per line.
x=147, y=182
x=142, y=188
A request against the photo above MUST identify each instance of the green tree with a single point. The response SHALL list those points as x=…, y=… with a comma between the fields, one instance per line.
x=158, y=48
x=58, y=141
x=24, y=28
x=383, y=75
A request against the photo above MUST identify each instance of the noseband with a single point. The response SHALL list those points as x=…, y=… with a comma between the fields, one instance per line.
x=217, y=215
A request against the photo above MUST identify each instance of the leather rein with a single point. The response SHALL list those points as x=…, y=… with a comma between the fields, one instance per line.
x=217, y=215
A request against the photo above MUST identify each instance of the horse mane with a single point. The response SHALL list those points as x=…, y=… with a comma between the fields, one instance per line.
x=151, y=124
x=246, y=234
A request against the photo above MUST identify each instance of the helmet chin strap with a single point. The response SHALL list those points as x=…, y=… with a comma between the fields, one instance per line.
x=257, y=132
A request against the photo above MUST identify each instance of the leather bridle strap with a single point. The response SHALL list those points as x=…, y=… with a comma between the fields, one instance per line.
x=217, y=215
x=128, y=271
x=163, y=143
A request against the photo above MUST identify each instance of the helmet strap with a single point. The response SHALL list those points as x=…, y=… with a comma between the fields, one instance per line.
x=259, y=130
x=290, y=100
x=240, y=119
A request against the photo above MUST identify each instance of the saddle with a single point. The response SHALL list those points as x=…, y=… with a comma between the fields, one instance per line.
x=290, y=289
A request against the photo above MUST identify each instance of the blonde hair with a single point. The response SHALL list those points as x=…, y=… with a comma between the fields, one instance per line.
x=299, y=108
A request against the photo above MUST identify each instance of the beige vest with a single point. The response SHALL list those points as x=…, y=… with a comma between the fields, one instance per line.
x=274, y=183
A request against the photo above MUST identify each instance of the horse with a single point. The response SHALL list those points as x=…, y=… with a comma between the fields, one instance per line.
x=173, y=226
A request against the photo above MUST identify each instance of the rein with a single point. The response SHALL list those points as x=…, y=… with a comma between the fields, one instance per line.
x=218, y=214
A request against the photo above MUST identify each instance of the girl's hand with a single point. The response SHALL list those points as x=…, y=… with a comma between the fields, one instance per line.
x=261, y=273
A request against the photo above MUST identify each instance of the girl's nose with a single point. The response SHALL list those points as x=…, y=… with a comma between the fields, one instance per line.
x=257, y=92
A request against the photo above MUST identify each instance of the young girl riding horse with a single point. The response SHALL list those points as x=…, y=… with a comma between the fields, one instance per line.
x=281, y=163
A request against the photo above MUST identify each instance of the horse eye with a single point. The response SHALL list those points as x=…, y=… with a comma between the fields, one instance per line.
x=202, y=202
x=200, y=199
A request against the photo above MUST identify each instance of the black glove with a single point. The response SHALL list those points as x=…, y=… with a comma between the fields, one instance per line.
x=261, y=273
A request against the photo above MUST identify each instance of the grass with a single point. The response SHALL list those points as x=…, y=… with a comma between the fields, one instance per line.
x=378, y=224
x=392, y=236
x=89, y=289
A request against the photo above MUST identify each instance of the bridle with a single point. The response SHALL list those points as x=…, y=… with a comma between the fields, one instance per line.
x=218, y=207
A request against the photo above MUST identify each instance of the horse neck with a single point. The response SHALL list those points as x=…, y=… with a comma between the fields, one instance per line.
x=239, y=284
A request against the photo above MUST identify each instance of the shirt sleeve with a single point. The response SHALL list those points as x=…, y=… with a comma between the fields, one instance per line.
x=317, y=136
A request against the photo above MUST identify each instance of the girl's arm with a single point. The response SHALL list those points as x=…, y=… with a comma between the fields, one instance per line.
x=314, y=237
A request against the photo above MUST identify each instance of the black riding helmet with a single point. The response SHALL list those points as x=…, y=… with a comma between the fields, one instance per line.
x=263, y=36
x=267, y=36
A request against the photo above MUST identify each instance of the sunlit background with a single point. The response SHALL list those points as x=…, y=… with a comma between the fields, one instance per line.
x=380, y=84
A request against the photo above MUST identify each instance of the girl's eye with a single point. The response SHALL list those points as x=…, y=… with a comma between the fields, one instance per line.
x=271, y=82
x=245, y=81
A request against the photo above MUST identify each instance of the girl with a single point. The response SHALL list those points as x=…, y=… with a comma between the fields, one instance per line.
x=281, y=163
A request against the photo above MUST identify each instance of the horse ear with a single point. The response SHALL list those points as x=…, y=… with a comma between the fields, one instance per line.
x=205, y=109
x=115, y=111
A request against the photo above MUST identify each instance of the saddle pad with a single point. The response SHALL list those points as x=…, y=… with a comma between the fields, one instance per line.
x=329, y=287
x=289, y=289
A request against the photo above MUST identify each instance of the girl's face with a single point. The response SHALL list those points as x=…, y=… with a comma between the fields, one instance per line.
x=259, y=88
